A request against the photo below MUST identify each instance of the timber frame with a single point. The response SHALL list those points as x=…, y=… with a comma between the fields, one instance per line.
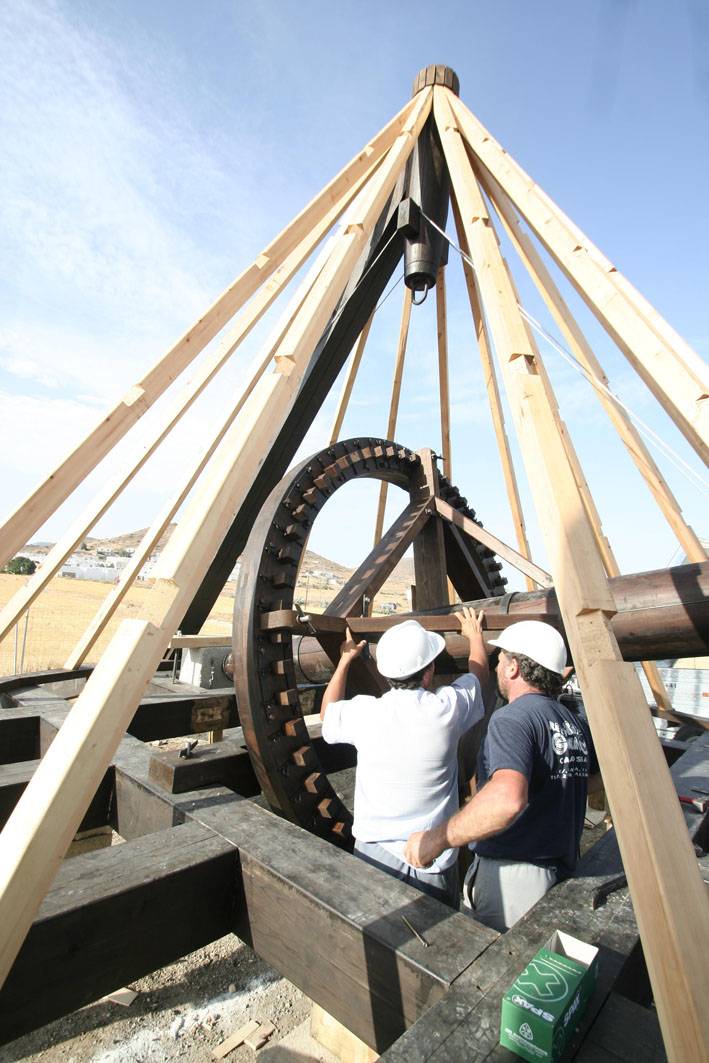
x=390, y=202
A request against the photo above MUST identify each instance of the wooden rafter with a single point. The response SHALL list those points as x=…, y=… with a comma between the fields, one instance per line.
x=680, y=386
x=584, y=354
x=350, y=377
x=493, y=394
x=46, y=817
x=31, y=514
x=442, y=335
x=657, y=856
x=394, y=403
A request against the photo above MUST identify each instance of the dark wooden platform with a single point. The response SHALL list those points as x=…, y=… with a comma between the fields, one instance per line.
x=203, y=858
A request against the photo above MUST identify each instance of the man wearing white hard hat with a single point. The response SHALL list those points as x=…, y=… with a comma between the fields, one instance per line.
x=407, y=741
x=527, y=815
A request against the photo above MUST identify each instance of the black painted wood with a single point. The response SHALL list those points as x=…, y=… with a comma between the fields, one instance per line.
x=113, y=916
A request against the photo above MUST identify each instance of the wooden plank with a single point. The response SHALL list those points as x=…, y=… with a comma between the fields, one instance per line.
x=47, y=815
x=350, y=377
x=171, y=717
x=115, y=915
x=444, y=394
x=344, y=943
x=676, y=383
x=394, y=403
x=475, y=531
x=19, y=737
x=493, y=394
x=31, y=514
x=235, y=1040
x=667, y=891
x=161, y=522
x=338, y=1040
x=15, y=777
x=381, y=561
x=586, y=357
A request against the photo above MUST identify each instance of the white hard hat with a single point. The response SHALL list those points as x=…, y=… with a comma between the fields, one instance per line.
x=406, y=648
x=539, y=641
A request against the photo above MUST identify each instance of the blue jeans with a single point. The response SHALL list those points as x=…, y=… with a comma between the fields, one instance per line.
x=443, y=885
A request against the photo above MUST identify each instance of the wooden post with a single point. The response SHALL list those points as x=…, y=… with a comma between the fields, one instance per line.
x=668, y=894
x=442, y=334
x=78, y=531
x=678, y=385
x=156, y=530
x=584, y=354
x=350, y=377
x=42, y=502
x=429, y=547
x=394, y=405
x=36, y=835
x=493, y=394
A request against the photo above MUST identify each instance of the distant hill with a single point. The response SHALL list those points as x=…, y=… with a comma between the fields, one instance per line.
x=318, y=582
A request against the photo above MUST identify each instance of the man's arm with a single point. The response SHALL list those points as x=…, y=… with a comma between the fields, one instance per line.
x=493, y=809
x=336, y=688
x=472, y=627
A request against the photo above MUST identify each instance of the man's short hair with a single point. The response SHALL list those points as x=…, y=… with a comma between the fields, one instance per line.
x=537, y=675
x=409, y=682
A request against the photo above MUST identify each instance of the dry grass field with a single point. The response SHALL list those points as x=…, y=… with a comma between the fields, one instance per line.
x=60, y=615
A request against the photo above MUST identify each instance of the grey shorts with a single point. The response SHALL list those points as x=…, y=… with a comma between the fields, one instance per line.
x=443, y=885
x=499, y=892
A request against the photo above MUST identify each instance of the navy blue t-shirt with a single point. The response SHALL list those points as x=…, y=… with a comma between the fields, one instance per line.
x=550, y=744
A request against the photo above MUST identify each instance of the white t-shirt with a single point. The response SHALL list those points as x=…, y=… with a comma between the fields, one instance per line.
x=407, y=765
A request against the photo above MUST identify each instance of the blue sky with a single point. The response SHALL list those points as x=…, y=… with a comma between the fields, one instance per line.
x=151, y=149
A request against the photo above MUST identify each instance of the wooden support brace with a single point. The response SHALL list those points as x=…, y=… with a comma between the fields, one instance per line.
x=475, y=531
x=36, y=836
x=493, y=393
x=78, y=531
x=442, y=335
x=676, y=384
x=429, y=548
x=394, y=404
x=350, y=377
x=584, y=354
x=31, y=514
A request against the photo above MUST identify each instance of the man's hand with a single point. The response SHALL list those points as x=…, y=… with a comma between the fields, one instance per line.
x=335, y=690
x=424, y=846
x=470, y=624
x=415, y=852
x=350, y=649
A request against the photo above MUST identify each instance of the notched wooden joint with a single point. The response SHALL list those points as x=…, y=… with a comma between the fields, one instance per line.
x=285, y=364
x=262, y=261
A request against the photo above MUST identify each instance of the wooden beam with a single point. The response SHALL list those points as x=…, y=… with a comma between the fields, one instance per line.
x=442, y=336
x=606, y=551
x=381, y=561
x=493, y=394
x=350, y=377
x=394, y=404
x=42, y=502
x=429, y=547
x=157, y=529
x=584, y=354
x=476, y=531
x=668, y=894
x=99, y=505
x=680, y=387
x=36, y=836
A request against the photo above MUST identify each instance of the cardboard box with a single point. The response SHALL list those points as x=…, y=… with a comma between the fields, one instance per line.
x=543, y=1005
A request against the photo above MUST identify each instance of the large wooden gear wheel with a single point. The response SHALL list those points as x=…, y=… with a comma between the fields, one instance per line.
x=284, y=759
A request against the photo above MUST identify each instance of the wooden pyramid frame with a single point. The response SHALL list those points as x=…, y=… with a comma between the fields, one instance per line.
x=334, y=305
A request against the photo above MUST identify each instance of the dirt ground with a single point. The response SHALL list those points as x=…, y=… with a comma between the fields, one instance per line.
x=183, y=1012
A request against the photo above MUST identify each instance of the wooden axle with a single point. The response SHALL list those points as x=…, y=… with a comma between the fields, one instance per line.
x=661, y=614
